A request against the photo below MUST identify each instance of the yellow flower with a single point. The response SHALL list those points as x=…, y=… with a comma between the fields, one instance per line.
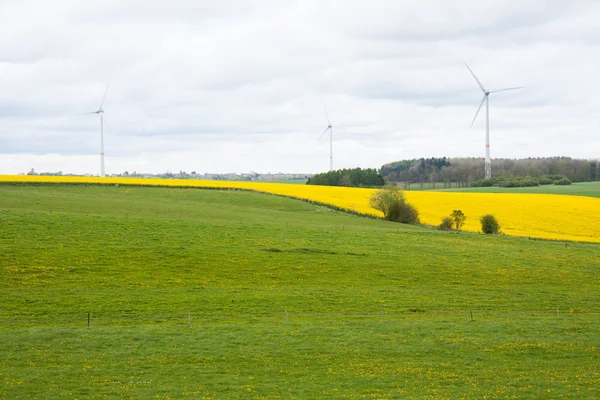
x=546, y=216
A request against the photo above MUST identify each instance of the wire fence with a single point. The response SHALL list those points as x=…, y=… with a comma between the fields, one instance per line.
x=189, y=318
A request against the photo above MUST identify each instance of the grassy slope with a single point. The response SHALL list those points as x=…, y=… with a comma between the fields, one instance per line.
x=140, y=259
x=590, y=189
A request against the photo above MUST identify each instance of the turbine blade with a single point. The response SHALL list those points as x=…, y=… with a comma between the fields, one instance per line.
x=93, y=112
x=327, y=115
x=502, y=90
x=472, y=73
x=477, y=113
x=104, y=97
x=326, y=129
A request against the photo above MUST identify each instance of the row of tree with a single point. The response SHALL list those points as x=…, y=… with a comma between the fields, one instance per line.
x=356, y=177
x=462, y=171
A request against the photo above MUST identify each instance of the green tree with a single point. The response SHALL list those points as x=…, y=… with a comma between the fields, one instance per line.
x=459, y=218
x=384, y=199
x=356, y=177
x=489, y=224
x=391, y=202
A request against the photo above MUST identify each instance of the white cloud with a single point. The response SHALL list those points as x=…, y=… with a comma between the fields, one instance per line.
x=239, y=86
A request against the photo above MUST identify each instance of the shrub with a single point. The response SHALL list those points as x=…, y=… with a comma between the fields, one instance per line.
x=489, y=224
x=446, y=224
x=383, y=199
x=515, y=181
x=519, y=181
x=486, y=182
x=554, y=178
x=458, y=218
x=563, y=181
x=391, y=202
x=404, y=213
x=546, y=181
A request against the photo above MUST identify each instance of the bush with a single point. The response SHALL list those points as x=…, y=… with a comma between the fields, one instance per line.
x=486, y=182
x=554, y=178
x=489, y=224
x=446, y=224
x=404, y=213
x=391, y=202
x=546, y=181
x=563, y=181
x=519, y=181
x=515, y=181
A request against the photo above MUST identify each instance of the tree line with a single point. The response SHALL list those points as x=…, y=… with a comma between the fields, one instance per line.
x=463, y=171
x=355, y=177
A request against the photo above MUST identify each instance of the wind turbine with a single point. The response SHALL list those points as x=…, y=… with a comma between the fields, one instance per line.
x=100, y=111
x=330, y=129
x=486, y=94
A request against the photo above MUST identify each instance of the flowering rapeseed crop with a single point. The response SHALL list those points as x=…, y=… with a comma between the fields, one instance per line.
x=545, y=216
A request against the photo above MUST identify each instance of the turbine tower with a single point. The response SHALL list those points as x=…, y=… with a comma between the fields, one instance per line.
x=330, y=129
x=100, y=111
x=486, y=99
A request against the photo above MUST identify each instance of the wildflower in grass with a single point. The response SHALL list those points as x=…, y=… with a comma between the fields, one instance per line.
x=527, y=215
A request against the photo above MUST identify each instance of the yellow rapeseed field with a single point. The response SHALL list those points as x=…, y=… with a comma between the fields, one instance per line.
x=545, y=216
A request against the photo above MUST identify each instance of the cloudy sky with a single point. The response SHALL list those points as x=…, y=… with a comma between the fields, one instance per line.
x=239, y=86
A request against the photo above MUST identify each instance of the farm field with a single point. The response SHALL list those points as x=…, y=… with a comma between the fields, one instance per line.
x=572, y=218
x=290, y=181
x=590, y=189
x=284, y=299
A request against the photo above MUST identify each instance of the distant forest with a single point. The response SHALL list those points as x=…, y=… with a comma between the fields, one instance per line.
x=356, y=177
x=463, y=171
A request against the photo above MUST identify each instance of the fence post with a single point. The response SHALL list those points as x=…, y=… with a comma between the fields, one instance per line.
x=286, y=316
x=189, y=320
x=89, y=321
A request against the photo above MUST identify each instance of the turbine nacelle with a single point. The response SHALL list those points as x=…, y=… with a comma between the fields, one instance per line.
x=486, y=99
x=100, y=111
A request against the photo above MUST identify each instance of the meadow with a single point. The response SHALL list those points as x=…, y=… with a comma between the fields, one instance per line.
x=590, y=189
x=290, y=181
x=284, y=299
x=542, y=216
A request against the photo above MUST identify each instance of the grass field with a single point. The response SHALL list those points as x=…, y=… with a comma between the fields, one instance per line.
x=290, y=181
x=590, y=189
x=285, y=299
x=543, y=216
x=427, y=186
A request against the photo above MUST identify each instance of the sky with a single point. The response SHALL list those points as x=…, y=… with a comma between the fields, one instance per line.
x=240, y=86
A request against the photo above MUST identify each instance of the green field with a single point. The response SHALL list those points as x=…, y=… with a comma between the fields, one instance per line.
x=290, y=181
x=427, y=186
x=590, y=189
x=285, y=299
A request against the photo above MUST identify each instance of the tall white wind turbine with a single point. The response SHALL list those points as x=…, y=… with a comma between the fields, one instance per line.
x=100, y=111
x=486, y=94
x=330, y=129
